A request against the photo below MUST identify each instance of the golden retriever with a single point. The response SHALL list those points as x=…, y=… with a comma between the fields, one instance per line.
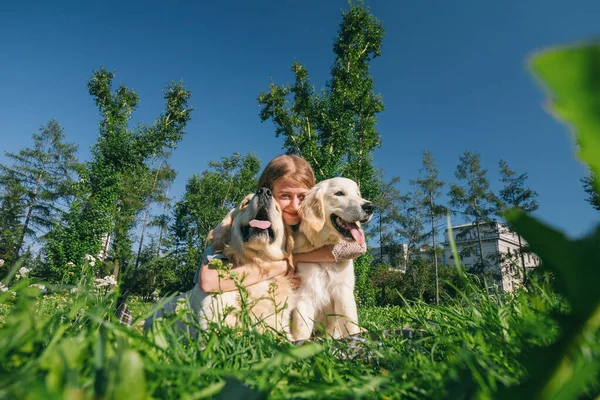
x=331, y=212
x=253, y=235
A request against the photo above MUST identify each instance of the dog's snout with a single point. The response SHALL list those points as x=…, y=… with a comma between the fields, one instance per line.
x=368, y=207
x=263, y=191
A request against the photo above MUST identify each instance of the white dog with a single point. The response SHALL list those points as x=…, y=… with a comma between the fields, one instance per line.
x=331, y=212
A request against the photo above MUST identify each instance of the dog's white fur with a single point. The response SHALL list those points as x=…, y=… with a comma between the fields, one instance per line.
x=268, y=304
x=326, y=292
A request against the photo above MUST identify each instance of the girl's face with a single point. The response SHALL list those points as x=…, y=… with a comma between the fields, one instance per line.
x=289, y=196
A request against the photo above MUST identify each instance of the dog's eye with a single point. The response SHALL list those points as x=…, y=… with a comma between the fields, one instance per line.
x=340, y=193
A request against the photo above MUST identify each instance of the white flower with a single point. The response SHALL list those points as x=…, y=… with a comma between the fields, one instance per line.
x=24, y=271
x=90, y=259
x=100, y=282
x=181, y=306
x=70, y=264
x=3, y=288
x=111, y=280
x=1, y=262
x=74, y=290
x=108, y=280
x=42, y=288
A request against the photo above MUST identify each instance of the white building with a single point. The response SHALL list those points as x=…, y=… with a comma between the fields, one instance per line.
x=500, y=252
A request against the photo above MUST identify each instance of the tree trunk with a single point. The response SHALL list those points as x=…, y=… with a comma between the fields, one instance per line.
x=435, y=260
x=139, y=252
x=380, y=239
x=116, y=269
x=480, y=245
x=29, y=213
x=117, y=253
x=162, y=226
x=522, y=260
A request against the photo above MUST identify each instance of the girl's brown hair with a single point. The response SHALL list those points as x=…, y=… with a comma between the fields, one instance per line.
x=290, y=167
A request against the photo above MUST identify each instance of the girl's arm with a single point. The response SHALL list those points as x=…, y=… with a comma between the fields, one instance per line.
x=210, y=282
x=341, y=251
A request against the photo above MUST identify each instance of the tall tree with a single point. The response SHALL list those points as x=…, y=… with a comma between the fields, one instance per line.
x=430, y=186
x=515, y=194
x=163, y=220
x=46, y=171
x=163, y=177
x=589, y=186
x=386, y=212
x=13, y=208
x=474, y=198
x=120, y=155
x=335, y=130
x=409, y=224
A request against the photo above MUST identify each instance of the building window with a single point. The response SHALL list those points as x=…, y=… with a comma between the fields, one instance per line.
x=477, y=251
x=509, y=252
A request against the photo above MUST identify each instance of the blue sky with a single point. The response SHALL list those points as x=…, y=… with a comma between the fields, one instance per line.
x=453, y=76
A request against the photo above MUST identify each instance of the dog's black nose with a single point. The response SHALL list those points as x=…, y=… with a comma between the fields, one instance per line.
x=263, y=191
x=368, y=207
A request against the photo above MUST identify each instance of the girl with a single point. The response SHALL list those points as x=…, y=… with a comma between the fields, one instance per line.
x=289, y=177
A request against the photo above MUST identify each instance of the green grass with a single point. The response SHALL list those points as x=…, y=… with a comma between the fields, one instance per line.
x=68, y=345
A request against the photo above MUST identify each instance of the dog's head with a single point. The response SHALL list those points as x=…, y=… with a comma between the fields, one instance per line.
x=333, y=210
x=254, y=229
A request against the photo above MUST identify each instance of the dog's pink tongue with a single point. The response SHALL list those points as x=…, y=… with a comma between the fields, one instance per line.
x=255, y=223
x=357, y=233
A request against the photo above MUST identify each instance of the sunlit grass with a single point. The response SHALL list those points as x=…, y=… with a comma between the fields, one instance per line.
x=69, y=343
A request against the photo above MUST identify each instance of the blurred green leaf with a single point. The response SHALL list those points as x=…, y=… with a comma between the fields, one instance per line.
x=234, y=389
x=573, y=77
x=575, y=264
x=131, y=380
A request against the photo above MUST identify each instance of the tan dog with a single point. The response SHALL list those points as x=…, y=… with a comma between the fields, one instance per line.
x=253, y=234
x=331, y=213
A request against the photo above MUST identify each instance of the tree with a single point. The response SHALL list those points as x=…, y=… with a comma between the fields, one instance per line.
x=515, y=194
x=13, y=209
x=385, y=215
x=409, y=224
x=417, y=281
x=334, y=130
x=474, y=198
x=163, y=177
x=162, y=221
x=119, y=156
x=431, y=187
x=589, y=186
x=46, y=172
x=387, y=283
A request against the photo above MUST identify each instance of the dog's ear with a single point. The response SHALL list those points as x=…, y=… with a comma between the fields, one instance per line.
x=312, y=211
x=220, y=236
